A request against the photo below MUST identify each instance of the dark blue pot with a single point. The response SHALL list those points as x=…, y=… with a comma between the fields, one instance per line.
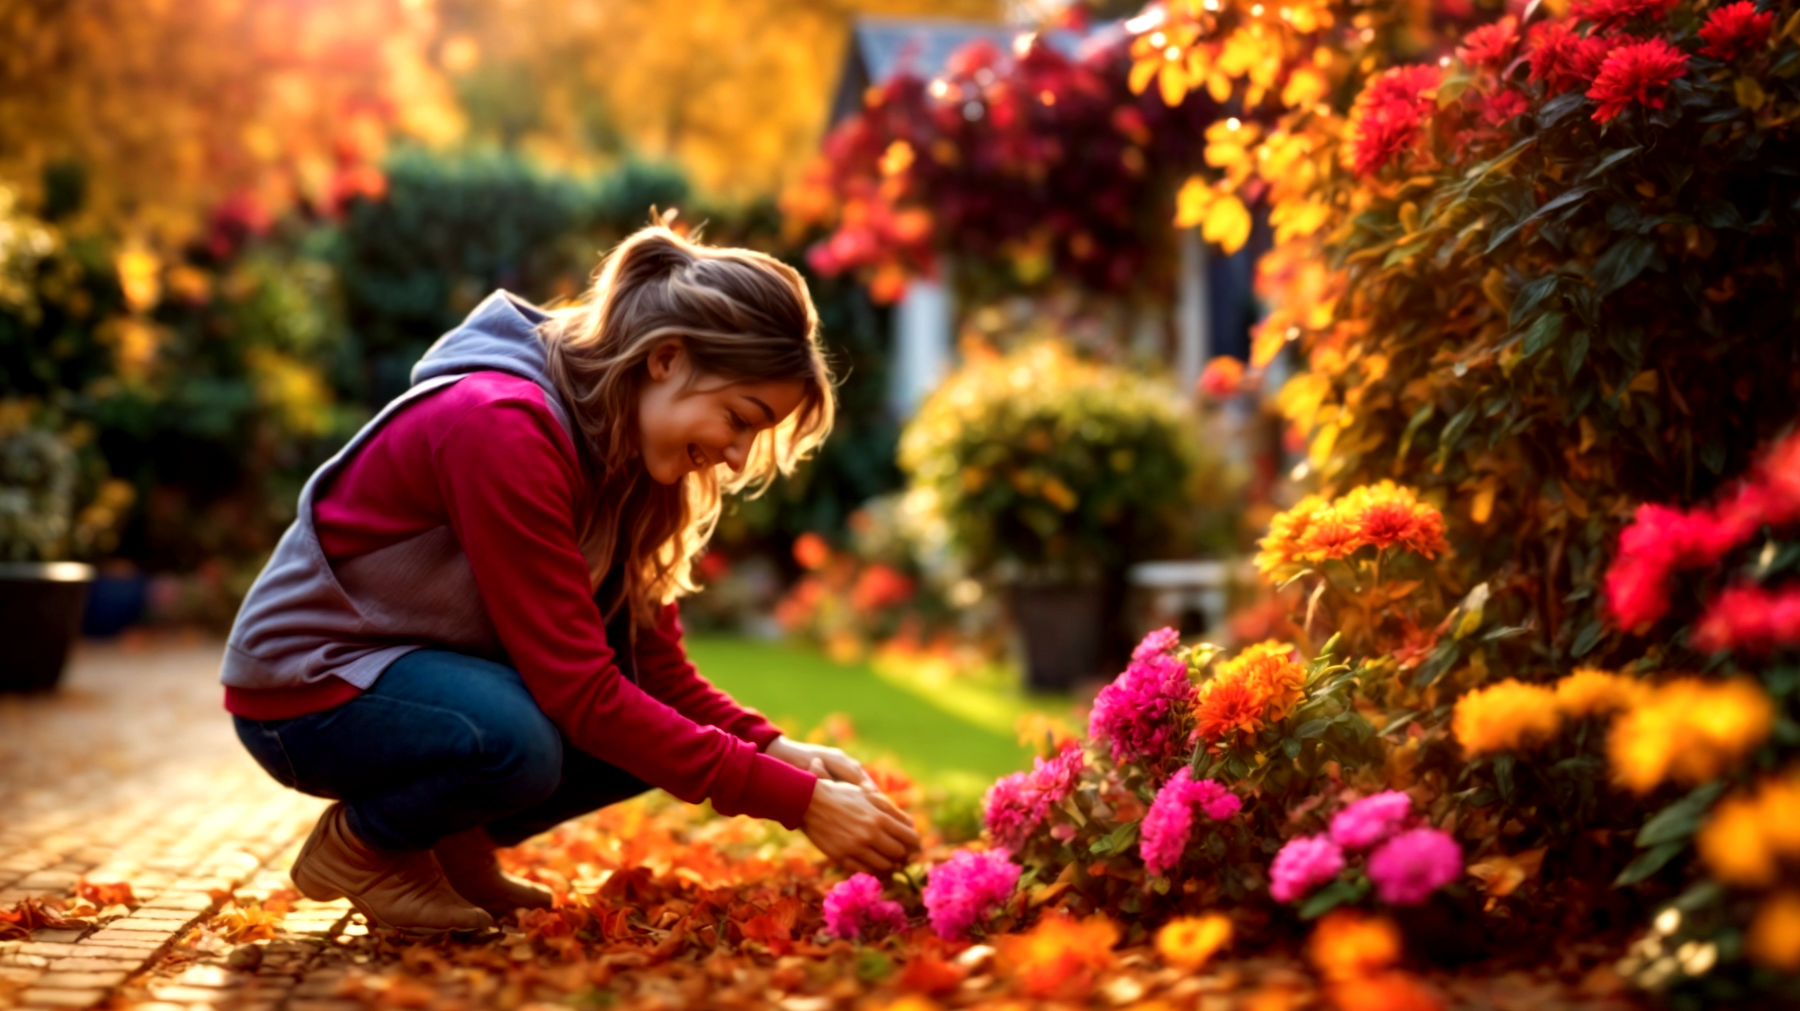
x=114, y=604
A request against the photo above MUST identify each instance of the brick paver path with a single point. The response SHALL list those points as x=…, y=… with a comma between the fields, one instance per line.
x=131, y=773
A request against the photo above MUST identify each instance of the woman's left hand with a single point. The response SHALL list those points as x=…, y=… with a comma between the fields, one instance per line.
x=838, y=766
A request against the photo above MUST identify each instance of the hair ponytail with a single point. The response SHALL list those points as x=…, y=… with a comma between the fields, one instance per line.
x=741, y=316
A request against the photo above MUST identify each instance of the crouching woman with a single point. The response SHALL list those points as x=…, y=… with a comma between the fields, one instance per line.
x=469, y=633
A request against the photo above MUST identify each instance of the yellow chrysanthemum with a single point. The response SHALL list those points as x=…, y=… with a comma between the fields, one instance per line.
x=1189, y=941
x=1593, y=692
x=1505, y=716
x=1688, y=730
x=1774, y=936
x=1734, y=846
x=1330, y=535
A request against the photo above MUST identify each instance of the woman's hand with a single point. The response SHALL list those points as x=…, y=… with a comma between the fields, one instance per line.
x=857, y=827
x=837, y=765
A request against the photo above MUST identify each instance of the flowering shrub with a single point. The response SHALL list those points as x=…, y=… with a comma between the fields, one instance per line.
x=1038, y=463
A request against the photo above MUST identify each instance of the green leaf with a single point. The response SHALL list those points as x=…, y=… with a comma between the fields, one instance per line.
x=1681, y=819
x=1578, y=349
x=1622, y=263
x=1311, y=729
x=1442, y=659
x=1401, y=254
x=1587, y=638
x=1609, y=161
x=1530, y=297
x=1290, y=746
x=1543, y=332
x=1338, y=893
x=1647, y=863
x=1399, y=722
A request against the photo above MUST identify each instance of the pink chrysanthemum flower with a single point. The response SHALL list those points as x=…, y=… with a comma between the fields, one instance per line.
x=1370, y=820
x=1170, y=820
x=1138, y=713
x=966, y=889
x=1163, y=640
x=1636, y=72
x=1304, y=864
x=1409, y=867
x=1017, y=804
x=855, y=910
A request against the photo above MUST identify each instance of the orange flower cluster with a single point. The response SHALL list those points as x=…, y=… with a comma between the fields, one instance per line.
x=1259, y=686
x=1752, y=833
x=1381, y=516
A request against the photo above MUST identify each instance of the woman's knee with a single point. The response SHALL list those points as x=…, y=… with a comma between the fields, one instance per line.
x=523, y=750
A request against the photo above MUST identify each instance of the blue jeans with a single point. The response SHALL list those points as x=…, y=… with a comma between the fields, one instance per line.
x=442, y=742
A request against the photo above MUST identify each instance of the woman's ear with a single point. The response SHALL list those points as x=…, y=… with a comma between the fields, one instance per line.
x=666, y=360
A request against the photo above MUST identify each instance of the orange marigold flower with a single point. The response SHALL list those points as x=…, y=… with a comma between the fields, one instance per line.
x=1228, y=706
x=1282, y=545
x=1223, y=377
x=1774, y=936
x=1688, y=730
x=1733, y=845
x=1504, y=717
x=1190, y=941
x=1735, y=29
x=1592, y=692
x=1636, y=71
x=1280, y=682
x=1331, y=535
x=1347, y=944
x=1060, y=956
x=1390, y=990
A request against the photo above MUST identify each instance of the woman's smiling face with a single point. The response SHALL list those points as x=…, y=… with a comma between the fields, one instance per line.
x=689, y=423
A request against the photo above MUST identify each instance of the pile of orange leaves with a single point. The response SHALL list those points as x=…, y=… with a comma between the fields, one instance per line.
x=91, y=904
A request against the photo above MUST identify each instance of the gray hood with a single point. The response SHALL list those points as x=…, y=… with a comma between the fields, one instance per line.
x=500, y=335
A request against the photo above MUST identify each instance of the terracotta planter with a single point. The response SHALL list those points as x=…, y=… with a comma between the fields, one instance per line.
x=1062, y=631
x=40, y=615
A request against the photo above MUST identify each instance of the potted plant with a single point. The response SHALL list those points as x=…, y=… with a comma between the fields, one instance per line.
x=1048, y=475
x=46, y=525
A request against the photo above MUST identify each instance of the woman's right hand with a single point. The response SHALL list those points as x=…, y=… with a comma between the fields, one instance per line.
x=853, y=826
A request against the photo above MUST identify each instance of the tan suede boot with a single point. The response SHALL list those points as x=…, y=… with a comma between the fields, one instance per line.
x=404, y=891
x=469, y=864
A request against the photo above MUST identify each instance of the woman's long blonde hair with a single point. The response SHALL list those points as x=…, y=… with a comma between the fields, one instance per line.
x=740, y=316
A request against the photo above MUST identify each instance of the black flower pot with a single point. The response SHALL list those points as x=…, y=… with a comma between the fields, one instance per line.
x=1061, y=628
x=40, y=615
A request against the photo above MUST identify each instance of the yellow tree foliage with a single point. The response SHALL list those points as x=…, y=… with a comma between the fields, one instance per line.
x=169, y=107
x=736, y=91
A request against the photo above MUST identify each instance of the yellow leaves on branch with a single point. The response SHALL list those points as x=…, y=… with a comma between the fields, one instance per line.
x=1221, y=216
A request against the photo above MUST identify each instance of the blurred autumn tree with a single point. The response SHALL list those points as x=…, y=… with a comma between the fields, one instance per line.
x=140, y=118
x=736, y=91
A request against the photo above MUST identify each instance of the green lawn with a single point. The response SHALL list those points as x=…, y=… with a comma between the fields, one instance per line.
x=952, y=733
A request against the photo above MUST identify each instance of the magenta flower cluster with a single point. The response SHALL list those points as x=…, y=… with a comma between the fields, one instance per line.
x=1018, y=803
x=967, y=889
x=1135, y=713
x=1157, y=643
x=1406, y=866
x=1170, y=820
x=1370, y=820
x=1409, y=867
x=1304, y=864
x=855, y=910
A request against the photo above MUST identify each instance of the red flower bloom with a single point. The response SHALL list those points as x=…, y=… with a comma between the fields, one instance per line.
x=1610, y=14
x=1564, y=60
x=1389, y=114
x=1735, y=29
x=1501, y=108
x=1636, y=71
x=1490, y=47
x=1750, y=618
